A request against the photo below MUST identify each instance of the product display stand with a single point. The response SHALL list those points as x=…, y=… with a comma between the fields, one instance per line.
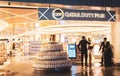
x=52, y=57
x=34, y=47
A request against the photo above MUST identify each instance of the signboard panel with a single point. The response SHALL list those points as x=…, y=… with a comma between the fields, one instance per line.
x=70, y=14
x=72, y=51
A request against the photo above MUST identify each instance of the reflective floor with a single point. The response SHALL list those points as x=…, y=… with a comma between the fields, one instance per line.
x=22, y=67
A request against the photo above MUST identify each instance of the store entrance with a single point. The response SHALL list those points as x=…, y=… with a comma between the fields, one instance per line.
x=28, y=30
x=70, y=32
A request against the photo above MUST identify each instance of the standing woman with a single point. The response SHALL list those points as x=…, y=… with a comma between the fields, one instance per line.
x=108, y=55
x=90, y=48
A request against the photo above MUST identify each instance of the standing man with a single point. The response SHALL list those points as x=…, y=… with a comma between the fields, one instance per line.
x=82, y=46
x=103, y=46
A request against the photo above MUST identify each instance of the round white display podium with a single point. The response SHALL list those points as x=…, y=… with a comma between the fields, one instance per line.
x=52, y=57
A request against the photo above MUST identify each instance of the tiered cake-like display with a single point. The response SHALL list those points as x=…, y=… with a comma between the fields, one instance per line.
x=52, y=56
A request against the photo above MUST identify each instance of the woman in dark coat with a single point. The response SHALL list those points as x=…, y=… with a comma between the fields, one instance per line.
x=108, y=55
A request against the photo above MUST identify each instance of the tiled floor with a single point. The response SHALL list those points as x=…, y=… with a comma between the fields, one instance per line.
x=22, y=67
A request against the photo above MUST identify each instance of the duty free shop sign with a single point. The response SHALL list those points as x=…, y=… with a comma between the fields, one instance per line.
x=70, y=14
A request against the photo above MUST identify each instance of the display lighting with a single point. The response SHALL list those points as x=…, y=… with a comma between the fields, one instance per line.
x=3, y=25
x=77, y=28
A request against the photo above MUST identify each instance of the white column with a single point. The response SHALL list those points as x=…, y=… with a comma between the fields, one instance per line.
x=116, y=38
x=37, y=31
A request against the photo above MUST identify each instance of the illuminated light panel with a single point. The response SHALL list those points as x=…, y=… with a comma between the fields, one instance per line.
x=3, y=25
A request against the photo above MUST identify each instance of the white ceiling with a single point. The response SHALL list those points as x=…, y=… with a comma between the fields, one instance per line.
x=68, y=27
x=77, y=27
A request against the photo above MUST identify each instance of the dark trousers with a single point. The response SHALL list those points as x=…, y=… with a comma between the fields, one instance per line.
x=10, y=53
x=84, y=55
x=102, y=58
